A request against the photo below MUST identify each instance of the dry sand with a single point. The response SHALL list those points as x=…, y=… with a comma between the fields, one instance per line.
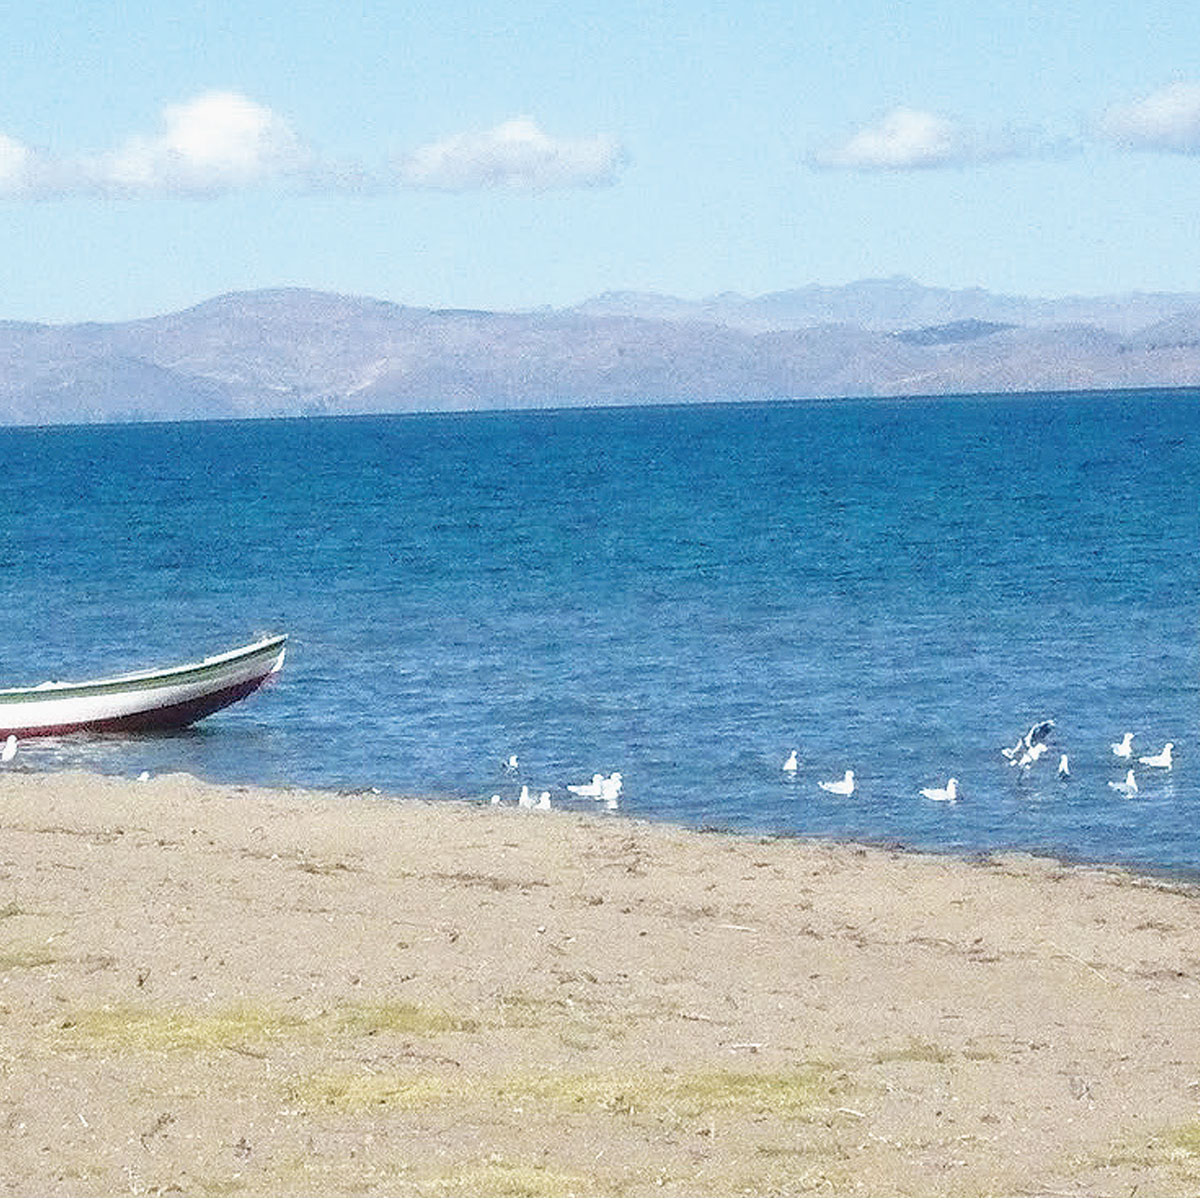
x=227, y=990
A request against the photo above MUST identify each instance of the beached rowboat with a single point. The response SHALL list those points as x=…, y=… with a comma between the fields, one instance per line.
x=168, y=698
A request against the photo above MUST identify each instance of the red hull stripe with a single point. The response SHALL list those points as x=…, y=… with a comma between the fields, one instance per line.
x=171, y=716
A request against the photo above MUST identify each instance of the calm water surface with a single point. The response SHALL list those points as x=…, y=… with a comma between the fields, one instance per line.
x=681, y=593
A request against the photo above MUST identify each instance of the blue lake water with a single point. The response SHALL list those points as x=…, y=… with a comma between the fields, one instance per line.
x=683, y=594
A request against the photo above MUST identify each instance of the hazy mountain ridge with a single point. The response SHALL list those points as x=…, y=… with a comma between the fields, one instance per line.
x=896, y=304
x=292, y=352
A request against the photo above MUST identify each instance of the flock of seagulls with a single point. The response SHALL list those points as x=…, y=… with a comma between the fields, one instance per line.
x=1029, y=748
x=601, y=787
x=606, y=788
x=1164, y=760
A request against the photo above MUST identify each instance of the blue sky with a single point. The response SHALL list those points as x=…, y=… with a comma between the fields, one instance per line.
x=526, y=153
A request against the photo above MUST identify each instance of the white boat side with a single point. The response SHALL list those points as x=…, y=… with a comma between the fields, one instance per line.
x=164, y=698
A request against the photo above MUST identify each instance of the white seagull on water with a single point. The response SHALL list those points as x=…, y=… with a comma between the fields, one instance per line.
x=1127, y=786
x=1123, y=748
x=949, y=793
x=589, y=791
x=1161, y=759
x=791, y=764
x=839, y=787
x=1064, y=768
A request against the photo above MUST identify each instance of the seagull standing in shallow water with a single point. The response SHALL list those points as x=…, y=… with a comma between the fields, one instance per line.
x=839, y=787
x=1161, y=759
x=10, y=749
x=1064, y=770
x=610, y=789
x=791, y=764
x=1127, y=786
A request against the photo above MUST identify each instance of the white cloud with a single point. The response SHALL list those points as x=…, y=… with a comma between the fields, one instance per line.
x=216, y=141
x=909, y=139
x=1168, y=119
x=515, y=154
x=16, y=165
x=906, y=138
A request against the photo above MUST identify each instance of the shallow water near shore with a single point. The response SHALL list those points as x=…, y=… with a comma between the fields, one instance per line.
x=684, y=594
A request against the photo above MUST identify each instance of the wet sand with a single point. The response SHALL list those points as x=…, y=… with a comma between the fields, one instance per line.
x=211, y=989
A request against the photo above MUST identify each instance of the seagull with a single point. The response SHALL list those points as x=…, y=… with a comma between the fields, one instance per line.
x=610, y=789
x=839, y=787
x=1064, y=771
x=590, y=791
x=1127, y=787
x=543, y=802
x=496, y=799
x=510, y=764
x=1161, y=759
x=1123, y=748
x=525, y=800
x=949, y=793
x=10, y=749
x=1027, y=744
x=791, y=764
x=144, y=777
x=1032, y=755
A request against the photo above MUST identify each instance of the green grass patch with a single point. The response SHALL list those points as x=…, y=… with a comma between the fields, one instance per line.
x=678, y=1096
x=131, y=1029
x=1186, y=1138
x=125, y=1028
x=397, y=1017
x=1175, y=1150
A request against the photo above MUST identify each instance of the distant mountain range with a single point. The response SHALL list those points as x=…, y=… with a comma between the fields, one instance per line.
x=296, y=352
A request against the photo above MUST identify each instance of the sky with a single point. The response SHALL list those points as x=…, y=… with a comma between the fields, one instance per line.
x=526, y=153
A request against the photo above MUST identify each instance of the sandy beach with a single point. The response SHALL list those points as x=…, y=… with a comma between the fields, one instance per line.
x=224, y=990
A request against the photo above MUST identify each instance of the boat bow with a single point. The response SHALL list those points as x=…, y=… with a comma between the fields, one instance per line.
x=166, y=698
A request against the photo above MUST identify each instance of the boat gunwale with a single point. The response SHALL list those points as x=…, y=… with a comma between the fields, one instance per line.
x=147, y=679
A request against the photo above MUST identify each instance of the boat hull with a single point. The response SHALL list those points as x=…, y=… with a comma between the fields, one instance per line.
x=148, y=700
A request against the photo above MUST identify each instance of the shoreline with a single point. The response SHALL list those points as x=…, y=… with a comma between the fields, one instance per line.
x=222, y=988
